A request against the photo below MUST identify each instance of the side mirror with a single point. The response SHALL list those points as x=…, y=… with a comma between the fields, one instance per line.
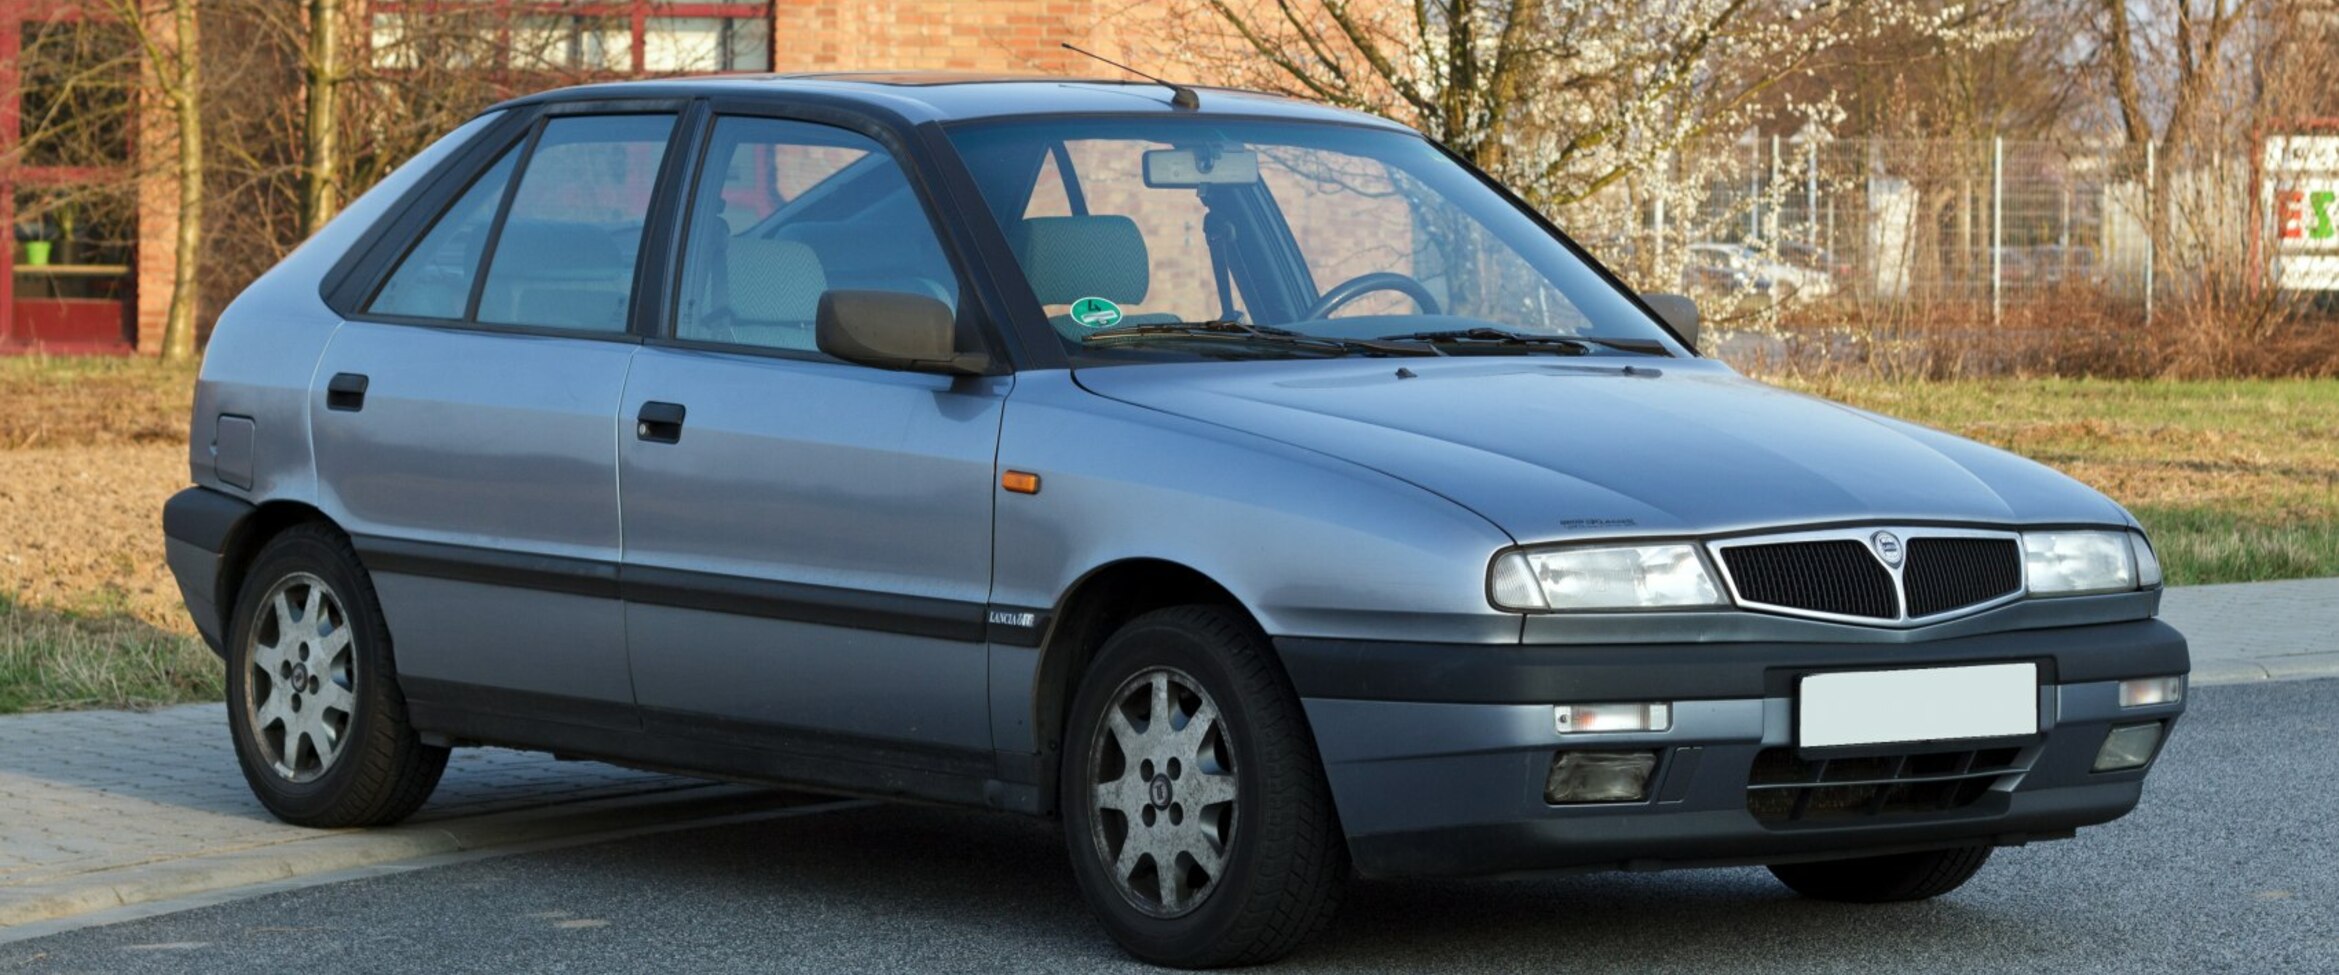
x=1678, y=311
x=892, y=330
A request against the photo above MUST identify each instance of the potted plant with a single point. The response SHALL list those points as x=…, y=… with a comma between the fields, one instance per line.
x=34, y=240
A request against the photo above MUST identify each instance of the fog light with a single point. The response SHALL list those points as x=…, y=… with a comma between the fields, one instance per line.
x=1599, y=777
x=2148, y=691
x=2128, y=746
x=1581, y=718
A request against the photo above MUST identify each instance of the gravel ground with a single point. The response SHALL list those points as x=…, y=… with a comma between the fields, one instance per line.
x=2230, y=865
x=83, y=526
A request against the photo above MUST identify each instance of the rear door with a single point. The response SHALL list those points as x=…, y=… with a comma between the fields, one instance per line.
x=807, y=541
x=464, y=422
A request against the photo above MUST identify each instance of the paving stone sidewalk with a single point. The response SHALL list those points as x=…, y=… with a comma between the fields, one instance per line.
x=100, y=809
x=2252, y=631
x=90, y=790
x=105, y=809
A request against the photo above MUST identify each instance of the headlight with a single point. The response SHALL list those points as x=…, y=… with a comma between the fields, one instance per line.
x=1666, y=576
x=2074, y=563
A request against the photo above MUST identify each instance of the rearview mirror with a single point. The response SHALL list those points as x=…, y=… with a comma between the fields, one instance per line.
x=892, y=330
x=1678, y=311
x=1188, y=168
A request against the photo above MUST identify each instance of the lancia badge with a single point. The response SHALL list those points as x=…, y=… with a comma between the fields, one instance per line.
x=1887, y=547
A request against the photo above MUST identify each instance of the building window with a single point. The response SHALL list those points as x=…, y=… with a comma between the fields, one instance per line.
x=600, y=37
x=688, y=44
x=68, y=193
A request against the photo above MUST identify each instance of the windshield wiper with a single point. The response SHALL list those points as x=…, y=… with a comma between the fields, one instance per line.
x=1220, y=328
x=1575, y=344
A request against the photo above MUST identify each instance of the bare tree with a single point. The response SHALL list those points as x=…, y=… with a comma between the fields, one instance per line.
x=1561, y=100
x=94, y=72
x=166, y=34
x=319, y=110
x=2173, y=53
x=78, y=88
x=321, y=133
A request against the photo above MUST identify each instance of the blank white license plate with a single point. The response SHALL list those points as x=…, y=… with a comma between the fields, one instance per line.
x=1932, y=704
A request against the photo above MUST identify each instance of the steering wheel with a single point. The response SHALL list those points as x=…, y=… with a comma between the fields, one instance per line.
x=1339, y=295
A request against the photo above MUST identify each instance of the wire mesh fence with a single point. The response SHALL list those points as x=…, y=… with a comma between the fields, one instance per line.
x=1966, y=228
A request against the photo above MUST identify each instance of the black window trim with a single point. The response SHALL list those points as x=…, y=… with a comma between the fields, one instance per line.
x=354, y=283
x=362, y=307
x=654, y=283
x=353, y=279
x=991, y=282
x=495, y=229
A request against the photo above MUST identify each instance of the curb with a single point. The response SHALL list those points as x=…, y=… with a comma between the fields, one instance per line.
x=2260, y=670
x=339, y=850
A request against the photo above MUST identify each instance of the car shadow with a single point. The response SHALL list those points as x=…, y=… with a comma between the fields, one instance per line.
x=999, y=885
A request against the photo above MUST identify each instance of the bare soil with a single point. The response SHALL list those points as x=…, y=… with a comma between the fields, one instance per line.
x=81, y=529
x=84, y=402
x=89, y=450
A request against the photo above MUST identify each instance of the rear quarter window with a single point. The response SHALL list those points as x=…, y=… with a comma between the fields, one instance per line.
x=434, y=280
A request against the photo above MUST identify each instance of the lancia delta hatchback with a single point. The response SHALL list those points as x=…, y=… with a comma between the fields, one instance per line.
x=1252, y=487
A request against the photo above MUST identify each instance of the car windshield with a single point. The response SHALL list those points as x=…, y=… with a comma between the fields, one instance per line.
x=1134, y=231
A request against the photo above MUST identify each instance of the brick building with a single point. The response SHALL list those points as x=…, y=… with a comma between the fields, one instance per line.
x=89, y=285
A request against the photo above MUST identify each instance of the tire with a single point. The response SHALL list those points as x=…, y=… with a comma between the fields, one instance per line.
x=335, y=751
x=1885, y=879
x=1255, y=873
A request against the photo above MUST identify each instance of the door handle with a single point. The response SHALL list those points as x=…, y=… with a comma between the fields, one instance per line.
x=346, y=392
x=659, y=422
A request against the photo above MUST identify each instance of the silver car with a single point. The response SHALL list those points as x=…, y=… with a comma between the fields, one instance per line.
x=1251, y=486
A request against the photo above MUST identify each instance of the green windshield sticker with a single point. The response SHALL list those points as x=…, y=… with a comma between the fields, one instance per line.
x=1096, y=313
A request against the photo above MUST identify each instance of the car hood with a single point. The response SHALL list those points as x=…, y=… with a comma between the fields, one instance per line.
x=1551, y=449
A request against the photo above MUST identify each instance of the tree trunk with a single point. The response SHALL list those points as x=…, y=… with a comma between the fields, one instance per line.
x=178, y=335
x=321, y=136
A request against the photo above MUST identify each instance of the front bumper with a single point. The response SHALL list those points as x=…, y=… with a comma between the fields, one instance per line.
x=1446, y=777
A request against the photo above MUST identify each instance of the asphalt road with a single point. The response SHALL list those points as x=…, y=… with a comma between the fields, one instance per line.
x=2232, y=864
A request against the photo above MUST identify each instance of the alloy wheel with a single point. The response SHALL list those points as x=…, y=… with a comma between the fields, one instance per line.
x=1162, y=786
x=300, y=697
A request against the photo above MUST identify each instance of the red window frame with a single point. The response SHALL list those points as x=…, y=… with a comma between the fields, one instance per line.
x=637, y=13
x=14, y=15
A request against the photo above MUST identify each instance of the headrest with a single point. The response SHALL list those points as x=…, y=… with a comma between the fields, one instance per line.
x=559, y=249
x=774, y=280
x=1070, y=258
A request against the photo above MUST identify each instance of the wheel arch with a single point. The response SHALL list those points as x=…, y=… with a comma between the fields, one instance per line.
x=243, y=544
x=1090, y=611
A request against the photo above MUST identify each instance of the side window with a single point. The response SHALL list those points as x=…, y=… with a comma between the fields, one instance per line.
x=434, y=279
x=784, y=211
x=565, y=256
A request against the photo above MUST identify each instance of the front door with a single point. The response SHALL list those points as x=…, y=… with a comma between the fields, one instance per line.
x=807, y=541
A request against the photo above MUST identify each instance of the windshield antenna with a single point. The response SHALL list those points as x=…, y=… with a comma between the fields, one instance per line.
x=1180, y=95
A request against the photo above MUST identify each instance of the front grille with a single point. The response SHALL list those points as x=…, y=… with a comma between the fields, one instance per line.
x=1839, y=573
x=1836, y=576
x=1784, y=788
x=1947, y=574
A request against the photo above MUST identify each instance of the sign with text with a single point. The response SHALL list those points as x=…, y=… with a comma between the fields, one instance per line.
x=2302, y=211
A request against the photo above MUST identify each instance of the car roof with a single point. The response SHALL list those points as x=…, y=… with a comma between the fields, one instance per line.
x=936, y=96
